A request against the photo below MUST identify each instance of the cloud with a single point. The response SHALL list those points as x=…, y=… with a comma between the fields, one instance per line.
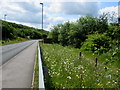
x=76, y=8
x=109, y=10
x=112, y=13
x=22, y=12
x=30, y=7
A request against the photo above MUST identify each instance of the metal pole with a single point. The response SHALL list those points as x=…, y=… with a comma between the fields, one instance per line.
x=5, y=17
x=119, y=13
x=42, y=20
x=42, y=15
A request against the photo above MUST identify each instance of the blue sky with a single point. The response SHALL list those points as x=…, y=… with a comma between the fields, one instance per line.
x=29, y=12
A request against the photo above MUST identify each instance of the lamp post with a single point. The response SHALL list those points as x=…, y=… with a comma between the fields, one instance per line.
x=42, y=15
x=119, y=12
x=5, y=17
x=42, y=20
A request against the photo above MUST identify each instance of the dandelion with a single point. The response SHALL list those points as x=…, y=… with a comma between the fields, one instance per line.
x=68, y=77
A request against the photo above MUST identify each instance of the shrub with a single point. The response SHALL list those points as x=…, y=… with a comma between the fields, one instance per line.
x=97, y=43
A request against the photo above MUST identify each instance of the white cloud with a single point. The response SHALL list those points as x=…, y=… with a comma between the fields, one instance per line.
x=54, y=7
x=109, y=10
x=59, y=19
x=77, y=8
x=112, y=13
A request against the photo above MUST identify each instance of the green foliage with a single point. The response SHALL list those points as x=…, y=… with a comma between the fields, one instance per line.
x=102, y=23
x=75, y=33
x=54, y=34
x=63, y=36
x=97, y=43
x=12, y=31
x=8, y=32
x=114, y=32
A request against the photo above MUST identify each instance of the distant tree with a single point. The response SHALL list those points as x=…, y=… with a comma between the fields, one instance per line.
x=63, y=36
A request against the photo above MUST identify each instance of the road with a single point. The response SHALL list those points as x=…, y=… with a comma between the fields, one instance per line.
x=8, y=51
x=18, y=67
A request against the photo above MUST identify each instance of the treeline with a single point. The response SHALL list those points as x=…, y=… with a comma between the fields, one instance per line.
x=89, y=33
x=11, y=31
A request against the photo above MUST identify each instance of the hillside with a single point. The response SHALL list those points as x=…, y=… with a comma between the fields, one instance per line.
x=12, y=31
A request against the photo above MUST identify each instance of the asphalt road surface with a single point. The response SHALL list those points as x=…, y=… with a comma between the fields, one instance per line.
x=18, y=67
x=8, y=51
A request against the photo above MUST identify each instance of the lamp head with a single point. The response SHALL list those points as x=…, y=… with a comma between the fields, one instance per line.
x=41, y=3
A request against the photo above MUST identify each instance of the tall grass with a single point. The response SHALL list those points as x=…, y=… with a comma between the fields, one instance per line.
x=68, y=70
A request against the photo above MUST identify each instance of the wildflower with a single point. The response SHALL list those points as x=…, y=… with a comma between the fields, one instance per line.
x=68, y=77
x=83, y=81
x=80, y=67
x=64, y=62
x=83, y=87
x=77, y=76
x=69, y=72
x=99, y=84
x=109, y=76
x=83, y=71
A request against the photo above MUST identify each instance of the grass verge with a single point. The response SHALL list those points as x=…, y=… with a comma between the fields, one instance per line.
x=68, y=70
x=36, y=73
x=6, y=42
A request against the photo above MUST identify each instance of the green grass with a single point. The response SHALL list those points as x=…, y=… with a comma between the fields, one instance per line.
x=68, y=70
x=6, y=42
x=36, y=74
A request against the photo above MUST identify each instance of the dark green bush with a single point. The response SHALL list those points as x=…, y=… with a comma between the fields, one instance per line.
x=97, y=43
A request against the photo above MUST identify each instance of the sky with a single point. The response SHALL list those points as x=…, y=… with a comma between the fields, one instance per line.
x=29, y=12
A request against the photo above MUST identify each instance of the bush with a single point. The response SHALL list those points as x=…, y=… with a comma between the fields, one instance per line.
x=97, y=43
x=114, y=32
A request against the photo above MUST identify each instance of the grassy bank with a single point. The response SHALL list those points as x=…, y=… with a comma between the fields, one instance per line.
x=68, y=70
x=6, y=42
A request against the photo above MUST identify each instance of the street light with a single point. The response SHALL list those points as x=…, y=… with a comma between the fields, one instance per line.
x=42, y=20
x=42, y=15
x=5, y=17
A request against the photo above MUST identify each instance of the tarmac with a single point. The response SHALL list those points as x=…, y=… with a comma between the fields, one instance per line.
x=18, y=71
